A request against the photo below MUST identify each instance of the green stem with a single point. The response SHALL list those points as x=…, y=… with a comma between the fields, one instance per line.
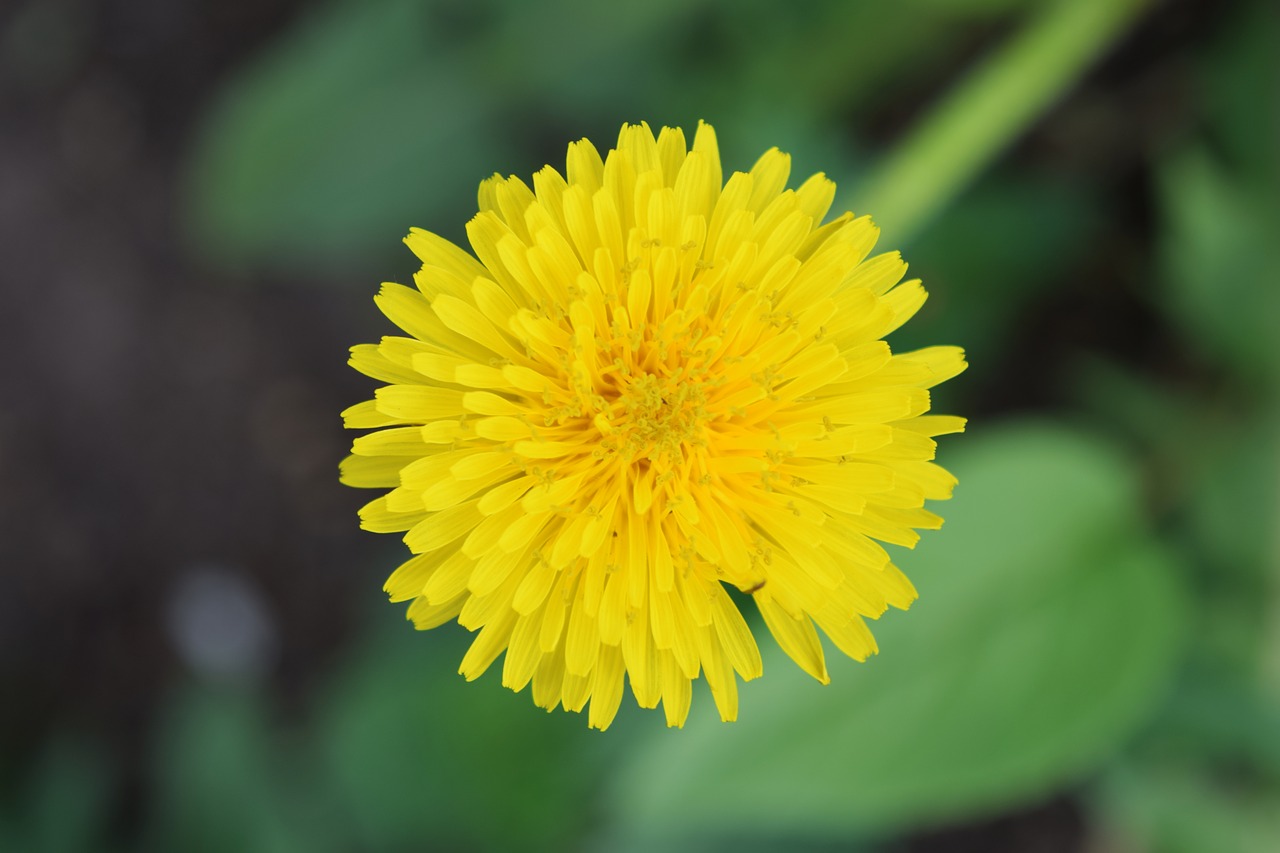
x=987, y=112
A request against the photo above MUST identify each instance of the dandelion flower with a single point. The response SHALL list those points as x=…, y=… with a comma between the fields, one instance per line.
x=647, y=389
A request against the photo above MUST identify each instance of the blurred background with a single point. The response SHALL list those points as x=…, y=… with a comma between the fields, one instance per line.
x=198, y=200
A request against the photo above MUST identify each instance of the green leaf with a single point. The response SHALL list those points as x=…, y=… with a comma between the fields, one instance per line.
x=1046, y=629
x=223, y=780
x=1237, y=497
x=1242, y=81
x=64, y=803
x=419, y=758
x=1222, y=262
x=1029, y=224
x=1181, y=809
x=1233, y=500
x=1217, y=719
x=338, y=139
x=373, y=117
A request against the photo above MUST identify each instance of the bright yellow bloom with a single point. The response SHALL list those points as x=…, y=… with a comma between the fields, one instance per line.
x=648, y=389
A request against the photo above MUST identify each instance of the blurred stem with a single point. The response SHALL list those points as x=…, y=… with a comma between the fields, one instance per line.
x=989, y=109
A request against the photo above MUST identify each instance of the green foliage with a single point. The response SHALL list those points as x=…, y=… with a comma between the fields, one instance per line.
x=1209, y=778
x=415, y=753
x=1177, y=809
x=402, y=755
x=335, y=140
x=372, y=117
x=1219, y=251
x=986, y=265
x=64, y=805
x=1047, y=625
x=984, y=113
x=1221, y=260
x=227, y=782
x=1240, y=85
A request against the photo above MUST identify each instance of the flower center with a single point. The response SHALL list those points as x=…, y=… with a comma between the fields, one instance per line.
x=659, y=414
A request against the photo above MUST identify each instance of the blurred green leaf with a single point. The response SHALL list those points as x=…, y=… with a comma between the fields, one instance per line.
x=335, y=141
x=1213, y=460
x=1233, y=503
x=367, y=118
x=372, y=117
x=222, y=776
x=1047, y=627
x=838, y=55
x=1217, y=719
x=984, y=263
x=418, y=758
x=1242, y=98
x=1182, y=809
x=1236, y=497
x=1222, y=262
x=1156, y=420
x=64, y=804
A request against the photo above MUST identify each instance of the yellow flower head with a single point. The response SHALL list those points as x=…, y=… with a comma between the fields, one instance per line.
x=650, y=388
